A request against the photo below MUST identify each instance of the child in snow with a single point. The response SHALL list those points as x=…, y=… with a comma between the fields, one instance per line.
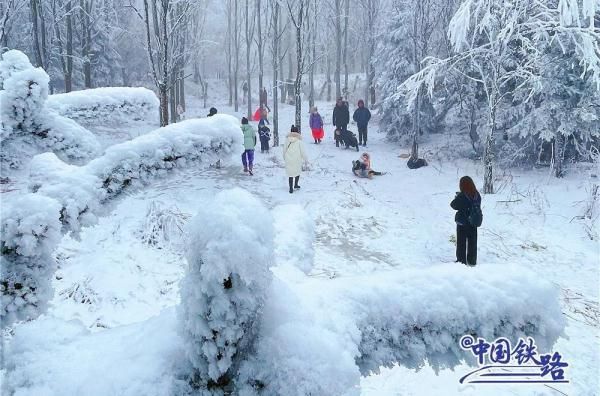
x=362, y=167
x=264, y=134
x=294, y=155
x=316, y=125
x=249, y=144
x=465, y=202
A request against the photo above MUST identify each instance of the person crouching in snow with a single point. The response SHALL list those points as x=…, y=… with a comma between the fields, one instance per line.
x=362, y=167
x=316, y=125
x=294, y=155
x=249, y=144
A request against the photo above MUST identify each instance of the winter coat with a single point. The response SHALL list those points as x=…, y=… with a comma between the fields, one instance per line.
x=293, y=154
x=341, y=116
x=264, y=133
x=361, y=116
x=249, y=137
x=315, y=121
x=462, y=204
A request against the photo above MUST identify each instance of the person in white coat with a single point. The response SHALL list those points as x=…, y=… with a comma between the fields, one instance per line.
x=294, y=155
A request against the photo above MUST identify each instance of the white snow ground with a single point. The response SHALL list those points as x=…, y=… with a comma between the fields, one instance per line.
x=111, y=327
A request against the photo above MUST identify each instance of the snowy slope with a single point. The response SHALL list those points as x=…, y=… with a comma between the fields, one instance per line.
x=119, y=290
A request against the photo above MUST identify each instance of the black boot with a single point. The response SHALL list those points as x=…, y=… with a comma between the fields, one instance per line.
x=296, y=182
x=291, y=183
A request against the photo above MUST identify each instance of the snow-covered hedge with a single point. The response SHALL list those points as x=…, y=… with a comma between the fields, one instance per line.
x=229, y=253
x=111, y=104
x=28, y=127
x=30, y=231
x=82, y=189
x=295, y=235
x=319, y=336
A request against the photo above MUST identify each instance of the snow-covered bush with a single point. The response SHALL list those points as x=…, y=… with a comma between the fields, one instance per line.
x=11, y=62
x=296, y=353
x=230, y=250
x=30, y=231
x=81, y=189
x=110, y=104
x=295, y=235
x=162, y=225
x=403, y=322
x=75, y=189
x=396, y=317
x=28, y=127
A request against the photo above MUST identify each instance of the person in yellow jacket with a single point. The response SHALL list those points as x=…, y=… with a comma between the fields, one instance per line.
x=294, y=155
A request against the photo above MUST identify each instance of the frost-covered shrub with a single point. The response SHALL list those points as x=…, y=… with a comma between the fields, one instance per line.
x=11, y=62
x=162, y=225
x=30, y=231
x=23, y=100
x=28, y=127
x=403, y=322
x=110, y=104
x=75, y=189
x=295, y=235
x=82, y=189
x=297, y=354
x=229, y=252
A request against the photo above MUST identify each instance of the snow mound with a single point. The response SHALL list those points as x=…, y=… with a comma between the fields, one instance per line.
x=51, y=357
x=110, y=104
x=30, y=231
x=82, y=189
x=230, y=250
x=28, y=127
x=295, y=235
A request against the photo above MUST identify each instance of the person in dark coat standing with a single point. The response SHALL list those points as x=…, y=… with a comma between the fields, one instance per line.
x=341, y=117
x=466, y=233
x=361, y=116
x=263, y=99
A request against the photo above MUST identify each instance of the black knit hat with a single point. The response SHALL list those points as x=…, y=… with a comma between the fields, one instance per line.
x=212, y=112
x=294, y=129
x=244, y=120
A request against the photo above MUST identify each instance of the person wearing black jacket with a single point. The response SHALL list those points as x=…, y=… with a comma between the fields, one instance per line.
x=466, y=233
x=341, y=117
x=361, y=116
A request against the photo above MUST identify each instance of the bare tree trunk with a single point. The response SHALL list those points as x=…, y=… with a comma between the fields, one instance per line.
x=338, y=49
x=69, y=60
x=261, y=49
x=346, y=17
x=488, y=151
x=39, y=34
x=85, y=8
x=248, y=67
x=559, y=154
x=313, y=58
x=276, y=64
x=328, y=78
x=236, y=63
x=229, y=54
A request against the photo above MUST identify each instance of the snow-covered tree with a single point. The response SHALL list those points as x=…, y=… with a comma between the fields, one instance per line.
x=230, y=250
x=504, y=43
x=415, y=30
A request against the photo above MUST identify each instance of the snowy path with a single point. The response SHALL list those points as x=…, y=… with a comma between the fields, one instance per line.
x=401, y=220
